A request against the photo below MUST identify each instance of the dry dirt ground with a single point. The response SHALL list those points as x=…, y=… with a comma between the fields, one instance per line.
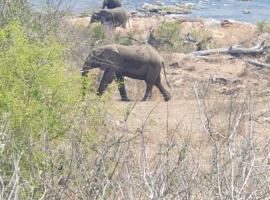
x=225, y=76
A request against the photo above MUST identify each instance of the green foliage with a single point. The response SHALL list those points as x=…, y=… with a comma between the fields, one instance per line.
x=263, y=26
x=125, y=40
x=168, y=35
x=19, y=10
x=203, y=38
x=31, y=78
x=40, y=106
x=97, y=33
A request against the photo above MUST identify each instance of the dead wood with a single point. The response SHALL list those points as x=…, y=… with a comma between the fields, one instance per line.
x=258, y=64
x=234, y=50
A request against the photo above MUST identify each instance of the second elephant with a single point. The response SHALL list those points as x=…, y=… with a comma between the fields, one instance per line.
x=114, y=17
x=141, y=62
x=110, y=4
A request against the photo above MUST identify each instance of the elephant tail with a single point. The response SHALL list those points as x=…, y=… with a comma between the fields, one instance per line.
x=163, y=65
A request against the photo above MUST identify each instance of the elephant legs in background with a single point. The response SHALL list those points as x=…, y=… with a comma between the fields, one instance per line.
x=163, y=91
x=105, y=81
x=121, y=87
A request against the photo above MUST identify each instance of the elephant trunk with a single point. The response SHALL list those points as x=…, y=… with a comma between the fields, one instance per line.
x=84, y=73
x=85, y=69
x=92, y=20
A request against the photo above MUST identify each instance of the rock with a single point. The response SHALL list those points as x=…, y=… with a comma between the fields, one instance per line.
x=226, y=23
x=231, y=91
x=162, y=9
x=246, y=11
x=224, y=80
x=174, y=64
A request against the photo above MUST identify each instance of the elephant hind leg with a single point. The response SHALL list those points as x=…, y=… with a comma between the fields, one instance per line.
x=105, y=81
x=164, y=92
x=150, y=81
x=148, y=91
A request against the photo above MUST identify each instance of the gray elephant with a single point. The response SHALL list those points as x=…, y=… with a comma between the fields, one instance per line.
x=141, y=62
x=114, y=17
x=110, y=4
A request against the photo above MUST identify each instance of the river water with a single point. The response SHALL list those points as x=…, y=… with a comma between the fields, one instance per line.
x=217, y=9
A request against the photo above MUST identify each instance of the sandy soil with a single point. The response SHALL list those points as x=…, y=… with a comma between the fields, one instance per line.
x=181, y=114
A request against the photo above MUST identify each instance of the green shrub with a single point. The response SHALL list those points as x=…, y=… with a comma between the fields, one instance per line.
x=97, y=32
x=19, y=10
x=40, y=108
x=168, y=36
x=125, y=40
x=263, y=26
x=203, y=39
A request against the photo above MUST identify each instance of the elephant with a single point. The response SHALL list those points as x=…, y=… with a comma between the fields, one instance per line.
x=110, y=4
x=114, y=17
x=141, y=62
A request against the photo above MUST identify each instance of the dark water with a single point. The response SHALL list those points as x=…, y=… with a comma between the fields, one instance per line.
x=217, y=9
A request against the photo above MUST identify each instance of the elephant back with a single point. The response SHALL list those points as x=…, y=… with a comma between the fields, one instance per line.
x=110, y=4
x=119, y=15
x=141, y=53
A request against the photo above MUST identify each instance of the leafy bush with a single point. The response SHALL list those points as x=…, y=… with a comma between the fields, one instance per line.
x=263, y=26
x=125, y=40
x=168, y=36
x=19, y=10
x=203, y=39
x=40, y=107
x=97, y=32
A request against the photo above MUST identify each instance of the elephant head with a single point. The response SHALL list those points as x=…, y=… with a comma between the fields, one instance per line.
x=95, y=17
x=102, y=58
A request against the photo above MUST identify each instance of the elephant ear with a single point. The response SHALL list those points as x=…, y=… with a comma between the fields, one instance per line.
x=109, y=57
x=94, y=18
x=111, y=51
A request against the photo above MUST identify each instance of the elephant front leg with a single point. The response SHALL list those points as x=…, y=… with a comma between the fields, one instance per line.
x=105, y=81
x=121, y=87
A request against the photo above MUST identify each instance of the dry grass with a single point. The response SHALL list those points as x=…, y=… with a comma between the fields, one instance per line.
x=202, y=144
x=218, y=156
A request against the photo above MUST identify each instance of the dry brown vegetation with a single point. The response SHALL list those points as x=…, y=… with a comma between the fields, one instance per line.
x=211, y=141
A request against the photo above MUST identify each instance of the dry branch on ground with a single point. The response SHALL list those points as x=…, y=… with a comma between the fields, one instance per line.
x=234, y=50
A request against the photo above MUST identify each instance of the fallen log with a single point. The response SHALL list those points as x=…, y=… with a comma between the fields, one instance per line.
x=258, y=64
x=182, y=19
x=234, y=50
